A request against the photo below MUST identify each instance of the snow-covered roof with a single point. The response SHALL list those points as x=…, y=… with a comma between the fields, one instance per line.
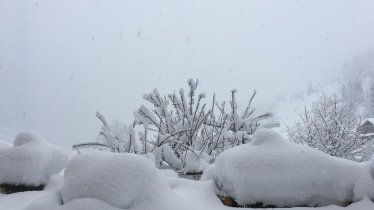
x=367, y=134
x=371, y=120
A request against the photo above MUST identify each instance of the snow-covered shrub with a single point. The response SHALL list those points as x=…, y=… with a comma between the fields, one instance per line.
x=188, y=133
x=273, y=171
x=332, y=127
x=114, y=137
x=181, y=130
x=122, y=180
x=31, y=161
x=118, y=136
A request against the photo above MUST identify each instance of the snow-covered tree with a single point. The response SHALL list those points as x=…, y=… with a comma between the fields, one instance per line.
x=331, y=126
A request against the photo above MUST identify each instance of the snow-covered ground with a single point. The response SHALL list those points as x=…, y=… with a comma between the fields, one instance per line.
x=185, y=194
x=269, y=169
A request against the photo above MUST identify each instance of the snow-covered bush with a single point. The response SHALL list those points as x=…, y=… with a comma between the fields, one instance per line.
x=188, y=133
x=181, y=130
x=31, y=161
x=273, y=171
x=114, y=137
x=118, y=136
x=122, y=180
x=332, y=127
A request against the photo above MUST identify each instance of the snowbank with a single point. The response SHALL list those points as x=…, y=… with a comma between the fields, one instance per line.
x=122, y=180
x=274, y=171
x=31, y=161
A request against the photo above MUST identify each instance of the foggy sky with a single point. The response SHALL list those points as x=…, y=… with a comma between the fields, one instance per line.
x=61, y=61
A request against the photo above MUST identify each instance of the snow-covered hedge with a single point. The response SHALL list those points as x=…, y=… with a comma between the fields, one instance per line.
x=122, y=180
x=31, y=161
x=274, y=171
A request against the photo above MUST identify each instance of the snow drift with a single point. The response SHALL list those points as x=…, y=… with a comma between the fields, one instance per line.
x=274, y=171
x=122, y=180
x=31, y=161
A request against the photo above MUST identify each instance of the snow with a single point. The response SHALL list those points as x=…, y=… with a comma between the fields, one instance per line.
x=274, y=171
x=184, y=195
x=77, y=204
x=166, y=153
x=193, y=163
x=283, y=173
x=4, y=144
x=31, y=161
x=180, y=194
x=367, y=135
x=169, y=173
x=121, y=180
x=371, y=120
x=125, y=181
x=17, y=201
x=6, y=134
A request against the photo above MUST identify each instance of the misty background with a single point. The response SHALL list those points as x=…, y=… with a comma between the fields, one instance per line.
x=61, y=61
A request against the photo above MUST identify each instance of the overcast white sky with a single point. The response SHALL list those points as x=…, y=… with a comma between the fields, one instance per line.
x=62, y=60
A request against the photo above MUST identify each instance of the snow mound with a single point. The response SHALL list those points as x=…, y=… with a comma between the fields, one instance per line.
x=31, y=161
x=263, y=136
x=122, y=180
x=276, y=172
x=209, y=173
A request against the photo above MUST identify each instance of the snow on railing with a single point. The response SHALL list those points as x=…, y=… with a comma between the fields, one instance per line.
x=91, y=145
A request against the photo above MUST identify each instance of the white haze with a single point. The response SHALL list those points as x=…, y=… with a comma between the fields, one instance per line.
x=60, y=61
